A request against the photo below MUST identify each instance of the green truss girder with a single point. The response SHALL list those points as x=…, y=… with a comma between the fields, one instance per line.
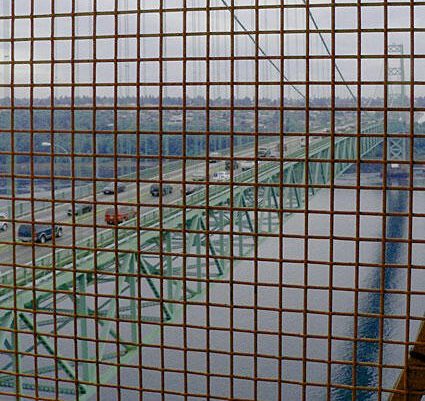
x=142, y=263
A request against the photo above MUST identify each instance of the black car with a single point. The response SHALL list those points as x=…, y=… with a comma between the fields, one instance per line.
x=166, y=189
x=228, y=165
x=190, y=189
x=110, y=189
x=79, y=209
x=38, y=232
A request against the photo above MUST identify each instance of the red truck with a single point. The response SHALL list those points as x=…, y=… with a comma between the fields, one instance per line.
x=120, y=214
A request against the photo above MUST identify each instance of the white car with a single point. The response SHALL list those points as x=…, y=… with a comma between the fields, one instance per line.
x=3, y=224
x=247, y=165
x=199, y=176
x=221, y=176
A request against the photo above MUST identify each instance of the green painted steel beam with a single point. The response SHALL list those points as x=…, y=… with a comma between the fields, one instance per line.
x=163, y=280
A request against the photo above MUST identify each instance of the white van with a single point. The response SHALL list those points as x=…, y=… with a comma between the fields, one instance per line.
x=247, y=165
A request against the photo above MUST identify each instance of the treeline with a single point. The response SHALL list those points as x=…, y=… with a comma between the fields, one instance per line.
x=108, y=132
x=175, y=101
x=64, y=101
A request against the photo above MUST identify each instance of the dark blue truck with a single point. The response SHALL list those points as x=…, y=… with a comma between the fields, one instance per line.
x=38, y=232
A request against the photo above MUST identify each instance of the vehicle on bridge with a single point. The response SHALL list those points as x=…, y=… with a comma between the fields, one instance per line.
x=200, y=176
x=114, y=216
x=190, y=189
x=264, y=152
x=212, y=157
x=221, y=176
x=39, y=232
x=247, y=165
x=228, y=165
x=110, y=189
x=156, y=189
x=79, y=209
x=3, y=223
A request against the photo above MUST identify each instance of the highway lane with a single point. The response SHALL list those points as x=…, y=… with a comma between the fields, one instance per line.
x=93, y=223
x=62, y=203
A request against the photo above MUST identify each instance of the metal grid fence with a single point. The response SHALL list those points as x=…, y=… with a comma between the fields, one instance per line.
x=212, y=200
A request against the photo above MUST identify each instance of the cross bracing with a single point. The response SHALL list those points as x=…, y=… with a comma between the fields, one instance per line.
x=140, y=275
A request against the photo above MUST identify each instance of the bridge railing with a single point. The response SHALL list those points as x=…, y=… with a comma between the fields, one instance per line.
x=110, y=238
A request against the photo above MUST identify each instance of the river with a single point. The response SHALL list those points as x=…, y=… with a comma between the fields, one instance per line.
x=300, y=356
x=293, y=322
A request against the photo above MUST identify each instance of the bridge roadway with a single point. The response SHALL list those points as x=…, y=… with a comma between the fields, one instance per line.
x=163, y=277
x=271, y=177
x=269, y=174
x=93, y=223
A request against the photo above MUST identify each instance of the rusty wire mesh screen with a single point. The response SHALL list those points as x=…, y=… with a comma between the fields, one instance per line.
x=212, y=200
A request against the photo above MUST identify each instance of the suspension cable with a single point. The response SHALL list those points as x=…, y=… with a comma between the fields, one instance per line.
x=260, y=49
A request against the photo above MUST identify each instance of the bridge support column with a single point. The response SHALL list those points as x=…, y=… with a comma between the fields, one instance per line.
x=83, y=315
x=16, y=362
x=398, y=123
x=199, y=260
x=221, y=228
x=169, y=271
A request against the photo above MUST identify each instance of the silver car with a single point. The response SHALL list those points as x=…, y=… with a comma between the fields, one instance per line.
x=3, y=223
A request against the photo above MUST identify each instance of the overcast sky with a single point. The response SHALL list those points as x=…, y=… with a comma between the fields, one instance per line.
x=220, y=45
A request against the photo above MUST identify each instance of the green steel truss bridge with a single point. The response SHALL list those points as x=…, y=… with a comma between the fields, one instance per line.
x=144, y=256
